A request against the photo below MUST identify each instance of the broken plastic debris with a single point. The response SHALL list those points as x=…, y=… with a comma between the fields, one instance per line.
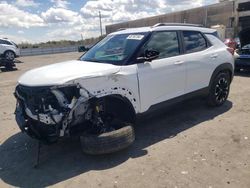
x=203, y=159
x=245, y=137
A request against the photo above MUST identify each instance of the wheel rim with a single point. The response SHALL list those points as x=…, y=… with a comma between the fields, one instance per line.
x=221, y=90
x=10, y=55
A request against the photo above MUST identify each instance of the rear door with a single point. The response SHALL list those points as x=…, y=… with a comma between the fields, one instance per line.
x=200, y=59
x=162, y=78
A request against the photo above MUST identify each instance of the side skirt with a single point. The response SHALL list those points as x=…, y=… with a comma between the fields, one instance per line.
x=201, y=93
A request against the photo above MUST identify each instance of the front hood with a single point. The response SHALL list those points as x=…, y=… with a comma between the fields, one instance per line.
x=61, y=73
x=244, y=37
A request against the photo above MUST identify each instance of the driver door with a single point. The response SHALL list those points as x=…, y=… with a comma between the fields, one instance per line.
x=163, y=78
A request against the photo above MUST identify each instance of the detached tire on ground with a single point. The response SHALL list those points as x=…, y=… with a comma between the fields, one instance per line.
x=108, y=142
x=9, y=66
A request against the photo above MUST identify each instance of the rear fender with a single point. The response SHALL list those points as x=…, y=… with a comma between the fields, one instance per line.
x=223, y=67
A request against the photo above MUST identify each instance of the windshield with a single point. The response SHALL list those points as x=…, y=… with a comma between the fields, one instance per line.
x=114, y=49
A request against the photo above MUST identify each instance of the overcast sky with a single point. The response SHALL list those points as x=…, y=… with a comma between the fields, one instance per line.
x=43, y=20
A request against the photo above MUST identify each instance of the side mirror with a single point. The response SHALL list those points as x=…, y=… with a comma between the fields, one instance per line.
x=149, y=55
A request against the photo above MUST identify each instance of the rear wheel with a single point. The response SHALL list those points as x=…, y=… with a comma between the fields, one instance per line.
x=9, y=55
x=219, y=90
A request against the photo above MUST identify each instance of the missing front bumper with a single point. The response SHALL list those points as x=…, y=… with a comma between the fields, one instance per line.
x=45, y=133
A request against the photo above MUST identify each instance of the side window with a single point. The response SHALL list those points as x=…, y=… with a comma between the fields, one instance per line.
x=5, y=42
x=194, y=41
x=165, y=42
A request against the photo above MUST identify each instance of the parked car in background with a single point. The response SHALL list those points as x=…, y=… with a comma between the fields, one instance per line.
x=242, y=58
x=8, y=49
x=237, y=40
x=82, y=49
x=230, y=43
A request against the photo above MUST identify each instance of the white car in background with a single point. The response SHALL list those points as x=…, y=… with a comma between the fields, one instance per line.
x=8, y=49
x=127, y=73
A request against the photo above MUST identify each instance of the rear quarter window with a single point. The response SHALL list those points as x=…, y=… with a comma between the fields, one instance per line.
x=194, y=41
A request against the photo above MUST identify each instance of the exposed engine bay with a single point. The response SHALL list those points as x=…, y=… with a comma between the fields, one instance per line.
x=48, y=113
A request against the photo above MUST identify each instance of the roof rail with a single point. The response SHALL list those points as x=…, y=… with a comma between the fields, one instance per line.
x=120, y=29
x=176, y=24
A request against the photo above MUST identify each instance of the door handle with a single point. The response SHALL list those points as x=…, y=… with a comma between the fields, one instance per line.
x=214, y=56
x=178, y=62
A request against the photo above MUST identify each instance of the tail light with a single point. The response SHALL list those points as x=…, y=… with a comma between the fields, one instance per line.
x=230, y=50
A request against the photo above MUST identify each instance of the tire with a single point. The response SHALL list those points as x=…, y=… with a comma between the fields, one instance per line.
x=9, y=66
x=219, y=89
x=9, y=55
x=108, y=142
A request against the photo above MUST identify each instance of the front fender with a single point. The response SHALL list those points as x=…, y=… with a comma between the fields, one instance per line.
x=113, y=85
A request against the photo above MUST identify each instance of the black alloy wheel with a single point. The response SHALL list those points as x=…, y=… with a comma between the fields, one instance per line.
x=219, y=89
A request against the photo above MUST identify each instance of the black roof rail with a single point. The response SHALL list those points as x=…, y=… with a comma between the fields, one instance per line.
x=120, y=29
x=177, y=24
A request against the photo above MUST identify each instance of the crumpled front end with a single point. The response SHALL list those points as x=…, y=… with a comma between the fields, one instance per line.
x=48, y=113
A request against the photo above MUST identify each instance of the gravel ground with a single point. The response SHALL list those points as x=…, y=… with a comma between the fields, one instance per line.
x=189, y=145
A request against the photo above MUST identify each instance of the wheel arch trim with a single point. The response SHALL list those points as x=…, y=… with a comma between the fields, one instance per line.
x=10, y=51
x=222, y=67
x=123, y=99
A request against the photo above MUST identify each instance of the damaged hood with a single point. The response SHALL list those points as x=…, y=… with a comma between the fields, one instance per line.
x=61, y=73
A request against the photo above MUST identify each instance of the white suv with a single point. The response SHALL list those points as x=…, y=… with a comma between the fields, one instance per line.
x=8, y=49
x=129, y=72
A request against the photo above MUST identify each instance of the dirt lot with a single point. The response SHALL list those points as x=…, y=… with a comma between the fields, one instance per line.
x=190, y=145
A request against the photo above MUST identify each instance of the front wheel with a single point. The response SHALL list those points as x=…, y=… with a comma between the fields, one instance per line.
x=112, y=128
x=108, y=142
x=219, y=90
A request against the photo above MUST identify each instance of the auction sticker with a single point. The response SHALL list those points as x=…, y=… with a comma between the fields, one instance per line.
x=135, y=37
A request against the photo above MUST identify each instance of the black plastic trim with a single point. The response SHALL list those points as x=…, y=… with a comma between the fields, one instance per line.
x=222, y=67
x=198, y=93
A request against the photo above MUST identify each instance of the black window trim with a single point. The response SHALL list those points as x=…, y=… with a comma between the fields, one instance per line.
x=208, y=43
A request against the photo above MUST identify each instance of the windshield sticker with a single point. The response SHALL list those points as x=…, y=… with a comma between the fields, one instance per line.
x=135, y=37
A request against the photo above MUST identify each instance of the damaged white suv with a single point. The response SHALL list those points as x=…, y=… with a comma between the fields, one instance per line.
x=129, y=72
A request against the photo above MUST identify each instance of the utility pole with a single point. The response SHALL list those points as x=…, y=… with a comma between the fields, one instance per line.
x=100, y=17
x=236, y=18
x=82, y=38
